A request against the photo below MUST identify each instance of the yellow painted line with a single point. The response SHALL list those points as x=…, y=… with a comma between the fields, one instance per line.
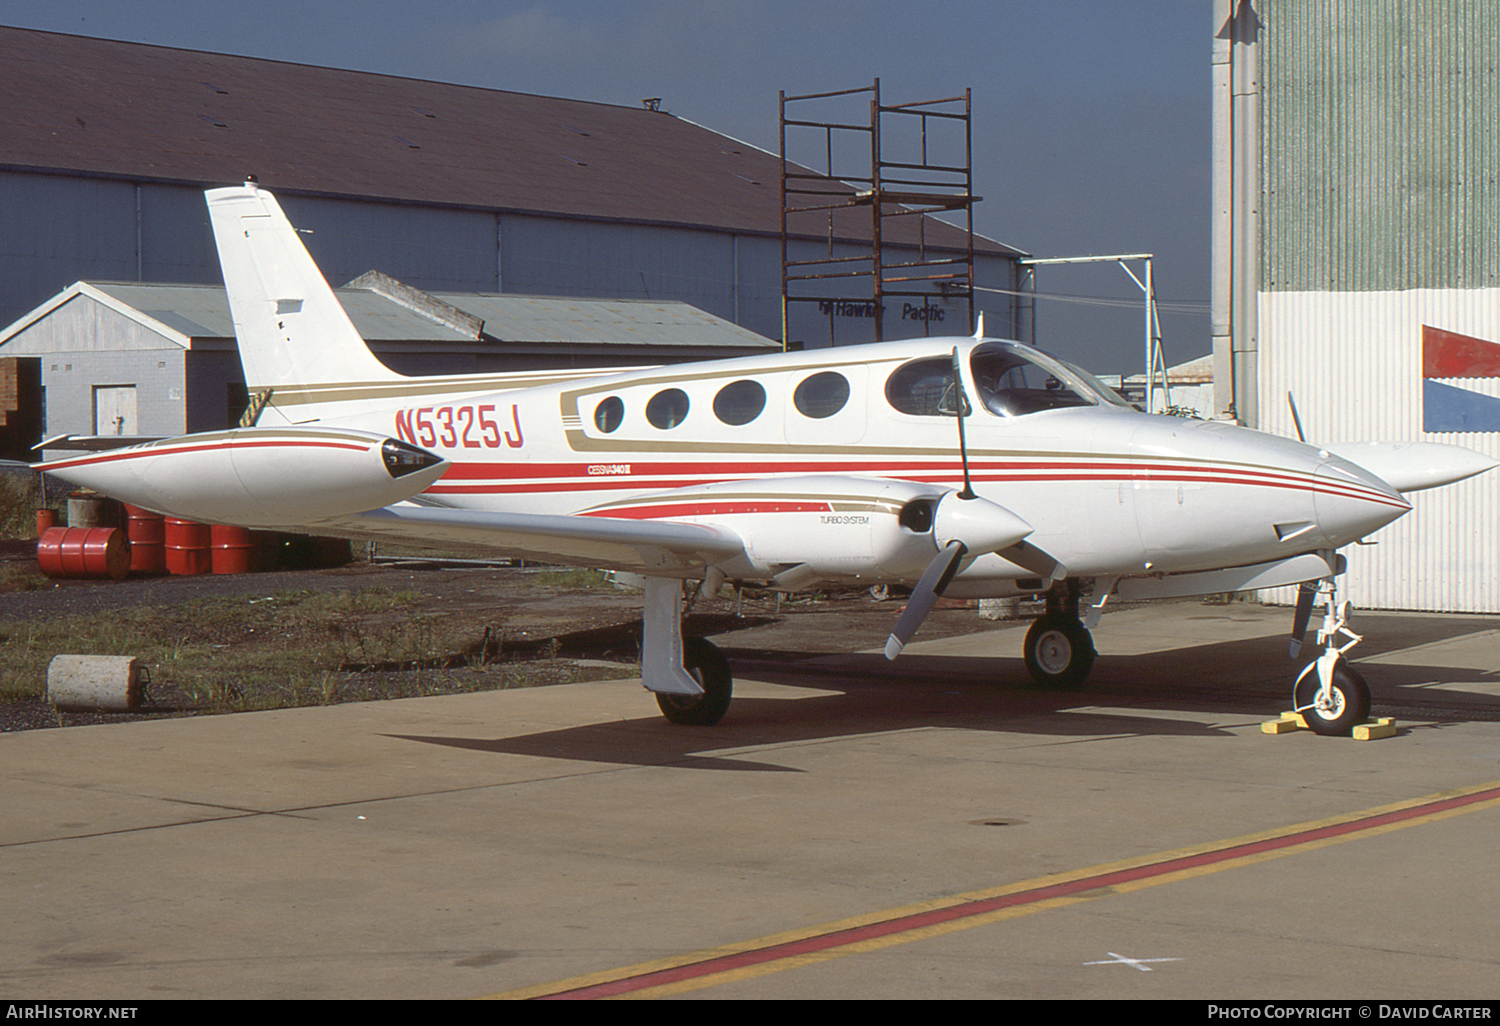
x=905, y=924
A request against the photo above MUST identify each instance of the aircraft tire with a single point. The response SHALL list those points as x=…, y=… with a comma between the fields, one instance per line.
x=1059, y=651
x=703, y=660
x=1351, y=702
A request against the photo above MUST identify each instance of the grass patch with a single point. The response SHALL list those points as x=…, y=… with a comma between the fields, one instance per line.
x=20, y=498
x=291, y=649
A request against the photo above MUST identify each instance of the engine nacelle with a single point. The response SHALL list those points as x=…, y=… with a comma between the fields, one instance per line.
x=829, y=527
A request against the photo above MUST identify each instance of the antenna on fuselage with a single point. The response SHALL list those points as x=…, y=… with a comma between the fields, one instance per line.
x=961, y=404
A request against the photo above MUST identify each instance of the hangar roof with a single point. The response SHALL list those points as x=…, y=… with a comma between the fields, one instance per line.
x=130, y=110
x=197, y=316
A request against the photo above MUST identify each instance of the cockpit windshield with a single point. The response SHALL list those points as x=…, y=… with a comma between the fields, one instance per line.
x=1013, y=382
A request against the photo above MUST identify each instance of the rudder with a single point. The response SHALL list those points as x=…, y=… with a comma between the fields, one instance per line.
x=293, y=333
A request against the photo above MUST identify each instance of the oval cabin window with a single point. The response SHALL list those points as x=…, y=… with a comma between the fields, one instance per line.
x=821, y=395
x=608, y=414
x=739, y=402
x=667, y=408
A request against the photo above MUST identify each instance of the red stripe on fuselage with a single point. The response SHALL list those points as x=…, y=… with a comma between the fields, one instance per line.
x=489, y=478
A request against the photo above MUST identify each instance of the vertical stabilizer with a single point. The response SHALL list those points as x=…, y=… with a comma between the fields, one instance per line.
x=293, y=333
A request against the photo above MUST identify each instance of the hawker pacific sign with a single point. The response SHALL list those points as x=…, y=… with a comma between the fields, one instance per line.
x=1460, y=373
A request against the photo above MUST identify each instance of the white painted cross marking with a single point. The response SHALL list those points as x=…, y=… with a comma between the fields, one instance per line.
x=1134, y=963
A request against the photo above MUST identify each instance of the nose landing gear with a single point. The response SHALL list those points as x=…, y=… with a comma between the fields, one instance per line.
x=1329, y=694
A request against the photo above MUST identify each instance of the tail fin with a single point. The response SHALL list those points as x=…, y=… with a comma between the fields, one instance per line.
x=293, y=333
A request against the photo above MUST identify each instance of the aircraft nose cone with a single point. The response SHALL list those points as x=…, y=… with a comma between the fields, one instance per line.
x=1351, y=503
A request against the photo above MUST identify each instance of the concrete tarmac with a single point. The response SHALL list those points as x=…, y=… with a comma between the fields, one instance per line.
x=934, y=828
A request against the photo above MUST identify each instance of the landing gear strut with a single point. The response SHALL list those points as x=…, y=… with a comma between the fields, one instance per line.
x=1329, y=694
x=1059, y=650
x=689, y=676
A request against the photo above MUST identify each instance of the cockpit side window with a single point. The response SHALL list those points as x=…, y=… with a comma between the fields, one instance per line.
x=923, y=388
x=1011, y=385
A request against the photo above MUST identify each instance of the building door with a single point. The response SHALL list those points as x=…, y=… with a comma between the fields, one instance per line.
x=114, y=410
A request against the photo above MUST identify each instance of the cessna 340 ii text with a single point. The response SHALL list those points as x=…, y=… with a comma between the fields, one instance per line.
x=962, y=466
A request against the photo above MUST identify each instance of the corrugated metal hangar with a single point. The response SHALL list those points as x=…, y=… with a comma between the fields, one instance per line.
x=124, y=358
x=1357, y=248
x=105, y=148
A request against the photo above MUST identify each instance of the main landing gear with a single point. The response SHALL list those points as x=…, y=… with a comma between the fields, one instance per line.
x=706, y=665
x=1059, y=650
x=689, y=676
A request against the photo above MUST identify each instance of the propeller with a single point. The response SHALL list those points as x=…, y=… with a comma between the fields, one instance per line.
x=929, y=589
x=1296, y=420
x=962, y=523
x=960, y=527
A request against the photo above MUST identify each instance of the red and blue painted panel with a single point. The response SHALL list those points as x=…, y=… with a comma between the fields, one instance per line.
x=1445, y=407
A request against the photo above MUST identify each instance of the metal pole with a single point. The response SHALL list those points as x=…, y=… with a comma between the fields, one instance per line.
x=1150, y=348
x=875, y=211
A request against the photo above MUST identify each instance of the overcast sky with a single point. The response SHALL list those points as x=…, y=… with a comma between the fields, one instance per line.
x=1091, y=117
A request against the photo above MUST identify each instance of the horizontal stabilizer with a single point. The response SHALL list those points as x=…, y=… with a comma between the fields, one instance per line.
x=94, y=443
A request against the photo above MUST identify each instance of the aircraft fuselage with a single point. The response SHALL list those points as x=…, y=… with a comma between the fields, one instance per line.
x=1108, y=490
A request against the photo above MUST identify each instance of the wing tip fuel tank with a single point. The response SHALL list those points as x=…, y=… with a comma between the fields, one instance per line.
x=1414, y=466
x=259, y=477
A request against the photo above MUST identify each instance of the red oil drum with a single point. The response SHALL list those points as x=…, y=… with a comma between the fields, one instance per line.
x=187, y=547
x=235, y=550
x=147, y=532
x=94, y=552
x=45, y=520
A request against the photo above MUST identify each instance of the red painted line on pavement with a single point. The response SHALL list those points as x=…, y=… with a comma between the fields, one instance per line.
x=982, y=906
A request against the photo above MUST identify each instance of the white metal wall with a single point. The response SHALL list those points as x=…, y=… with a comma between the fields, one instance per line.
x=1353, y=362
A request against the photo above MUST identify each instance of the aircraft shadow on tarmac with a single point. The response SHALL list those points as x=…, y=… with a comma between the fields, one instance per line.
x=862, y=694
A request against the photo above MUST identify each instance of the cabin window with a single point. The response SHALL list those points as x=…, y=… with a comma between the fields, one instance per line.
x=923, y=388
x=667, y=408
x=821, y=395
x=1013, y=384
x=740, y=402
x=608, y=414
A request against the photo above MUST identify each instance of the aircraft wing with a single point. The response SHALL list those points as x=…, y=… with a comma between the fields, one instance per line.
x=638, y=545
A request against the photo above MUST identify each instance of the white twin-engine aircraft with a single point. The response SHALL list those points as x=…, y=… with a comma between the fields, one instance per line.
x=963, y=466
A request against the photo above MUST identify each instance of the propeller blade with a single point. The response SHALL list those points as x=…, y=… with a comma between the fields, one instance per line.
x=1028, y=557
x=1296, y=420
x=929, y=589
x=1306, y=593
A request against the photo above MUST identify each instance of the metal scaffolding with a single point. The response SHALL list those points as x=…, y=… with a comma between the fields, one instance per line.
x=849, y=212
